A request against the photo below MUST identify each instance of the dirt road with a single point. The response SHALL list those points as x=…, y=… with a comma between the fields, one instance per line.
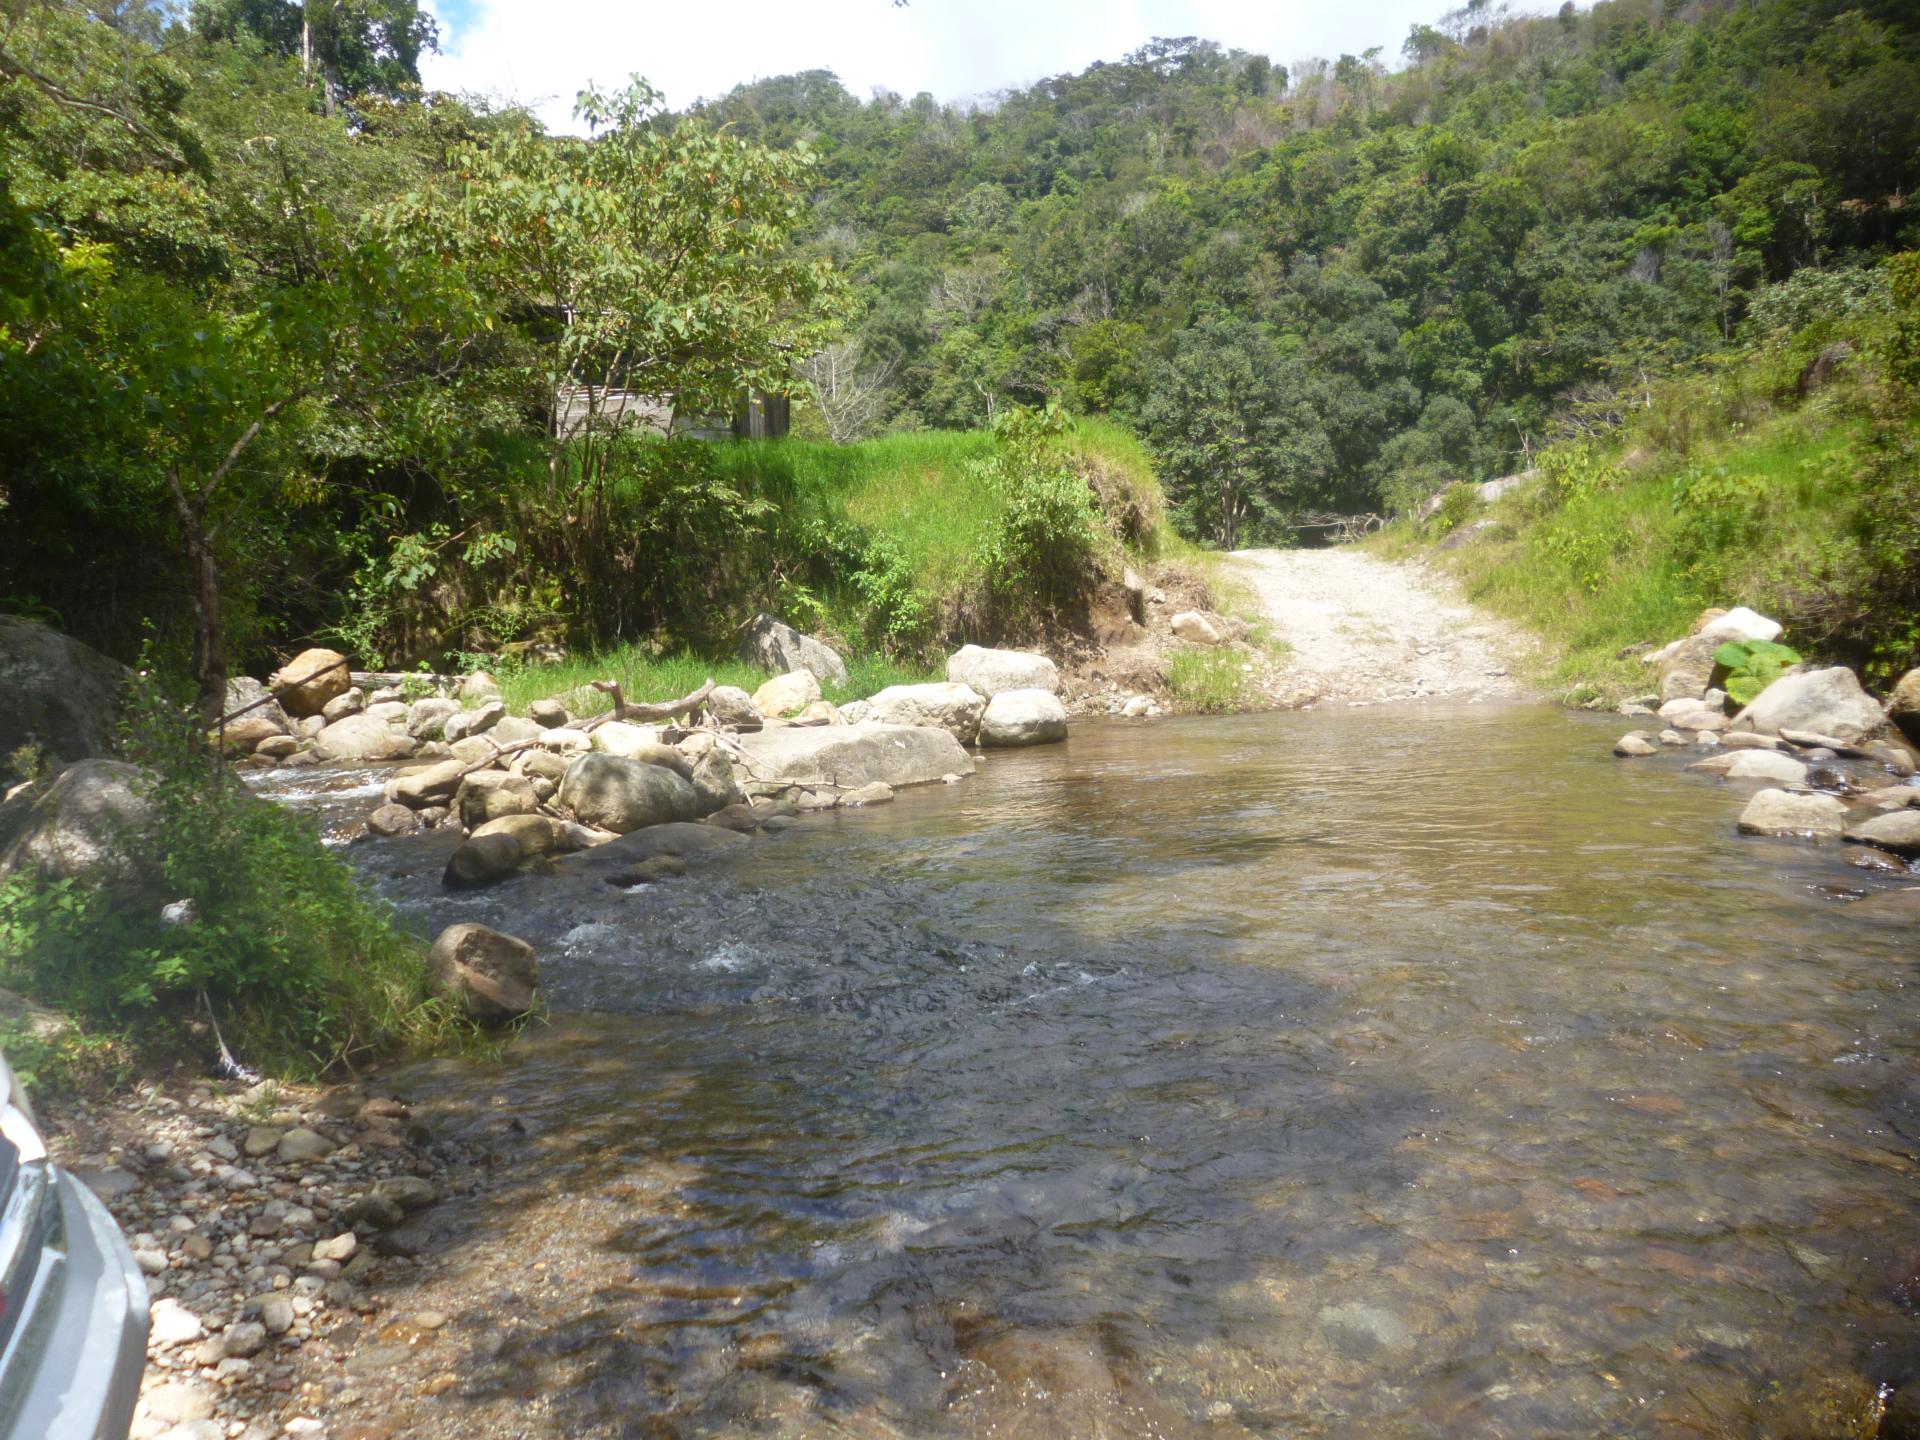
x=1365, y=631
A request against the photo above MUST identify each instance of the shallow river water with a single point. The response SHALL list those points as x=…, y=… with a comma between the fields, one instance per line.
x=1412, y=1072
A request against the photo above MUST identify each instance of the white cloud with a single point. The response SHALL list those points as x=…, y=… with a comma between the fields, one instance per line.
x=540, y=52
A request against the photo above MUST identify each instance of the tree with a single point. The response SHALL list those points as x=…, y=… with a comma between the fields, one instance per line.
x=849, y=390
x=358, y=47
x=1235, y=432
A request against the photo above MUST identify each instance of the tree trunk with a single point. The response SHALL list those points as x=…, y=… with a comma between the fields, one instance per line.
x=209, y=642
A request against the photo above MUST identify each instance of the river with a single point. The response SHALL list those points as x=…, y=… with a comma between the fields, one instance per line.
x=1384, y=1072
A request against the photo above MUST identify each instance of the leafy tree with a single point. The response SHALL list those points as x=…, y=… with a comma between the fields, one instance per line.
x=358, y=47
x=1236, y=432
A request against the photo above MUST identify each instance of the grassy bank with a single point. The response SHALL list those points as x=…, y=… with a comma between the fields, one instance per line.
x=1761, y=482
x=645, y=676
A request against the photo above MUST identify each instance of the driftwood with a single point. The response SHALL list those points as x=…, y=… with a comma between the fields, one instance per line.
x=666, y=710
x=500, y=752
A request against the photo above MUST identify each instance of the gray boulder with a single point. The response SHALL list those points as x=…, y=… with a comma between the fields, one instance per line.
x=494, y=976
x=991, y=671
x=548, y=714
x=714, y=786
x=847, y=757
x=1829, y=701
x=734, y=708
x=55, y=693
x=493, y=795
x=776, y=646
x=429, y=785
x=473, y=722
x=79, y=827
x=1634, y=745
x=954, y=708
x=363, y=738
x=1687, y=672
x=427, y=719
x=351, y=701
x=617, y=794
x=1023, y=717
x=244, y=691
x=1781, y=812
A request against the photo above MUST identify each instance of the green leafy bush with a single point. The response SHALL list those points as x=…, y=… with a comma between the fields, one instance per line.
x=299, y=970
x=1752, y=666
x=1043, y=548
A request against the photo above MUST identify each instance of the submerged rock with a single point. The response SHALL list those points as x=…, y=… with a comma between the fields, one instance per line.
x=481, y=860
x=1781, y=812
x=1754, y=765
x=1898, y=831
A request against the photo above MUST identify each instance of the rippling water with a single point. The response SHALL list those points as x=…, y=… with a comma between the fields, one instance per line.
x=1387, y=1073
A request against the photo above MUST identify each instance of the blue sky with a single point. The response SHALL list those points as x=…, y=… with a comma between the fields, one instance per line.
x=540, y=52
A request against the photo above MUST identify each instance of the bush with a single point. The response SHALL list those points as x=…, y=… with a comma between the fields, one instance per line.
x=1042, y=551
x=299, y=970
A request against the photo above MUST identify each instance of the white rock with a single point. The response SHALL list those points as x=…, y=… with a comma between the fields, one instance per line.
x=1195, y=628
x=1754, y=765
x=1781, y=812
x=1743, y=625
x=171, y=1323
x=953, y=708
x=1828, y=701
x=616, y=737
x=990, y=671
x=1023, y=717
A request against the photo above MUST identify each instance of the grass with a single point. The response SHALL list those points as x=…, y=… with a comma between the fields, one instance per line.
x=1729, y=490
x=646, y=677
x=1210, y=680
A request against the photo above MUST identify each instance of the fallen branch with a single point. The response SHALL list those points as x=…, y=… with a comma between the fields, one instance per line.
x=500, y=752
x=623, y=711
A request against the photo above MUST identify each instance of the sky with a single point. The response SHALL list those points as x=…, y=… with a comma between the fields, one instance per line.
x=540, y=52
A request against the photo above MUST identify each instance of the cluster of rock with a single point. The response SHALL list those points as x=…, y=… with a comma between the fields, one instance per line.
x=549, y=783
x=260, y=1220
x=1837, y=764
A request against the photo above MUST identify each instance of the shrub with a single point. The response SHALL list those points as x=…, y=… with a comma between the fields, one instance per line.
x=297, y=969
x=1041, y=552
x=1752, y=665
x=1209, y=681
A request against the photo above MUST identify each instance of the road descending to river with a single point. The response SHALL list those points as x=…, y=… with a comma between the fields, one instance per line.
x=1365, y=630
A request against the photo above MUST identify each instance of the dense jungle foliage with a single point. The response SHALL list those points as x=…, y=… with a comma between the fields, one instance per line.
x=280, y=335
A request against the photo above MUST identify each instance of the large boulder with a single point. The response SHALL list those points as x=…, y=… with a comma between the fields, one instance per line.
x=476, y=721
x=953, y=708
x=1688, y=670
x=1023, y=717
x=776, y=646
x=991, y=671
x=55, y=693
x=1828, y=701
x=243, y=736
x=714, y=786
x=1903, y=705
x=481, y=860
x=246, y=693
x=427, y=719
x=429, y=785
x=363, y=738
x=617, y=794
x=302, y=690
x=494, y=976
x=535, y=834
x=847, y=757
x=617, y=737
x=1898, y=831
x=1781, y=812
x=84, y=826
x=617, y=858
x=493, y=794
x=787, y=694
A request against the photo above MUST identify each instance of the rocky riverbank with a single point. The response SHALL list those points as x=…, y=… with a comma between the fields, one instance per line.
x=271, y=1223
x=1815, y=757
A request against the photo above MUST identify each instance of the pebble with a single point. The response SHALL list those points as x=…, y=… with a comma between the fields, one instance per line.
x=170, y=1323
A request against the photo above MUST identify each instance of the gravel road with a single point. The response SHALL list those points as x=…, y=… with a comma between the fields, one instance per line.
x=1365, y=631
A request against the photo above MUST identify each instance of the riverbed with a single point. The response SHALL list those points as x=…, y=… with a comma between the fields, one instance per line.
x=1411, y=1071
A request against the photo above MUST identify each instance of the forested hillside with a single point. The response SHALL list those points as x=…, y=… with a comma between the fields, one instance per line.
x=282, y=337
x=1341, y=286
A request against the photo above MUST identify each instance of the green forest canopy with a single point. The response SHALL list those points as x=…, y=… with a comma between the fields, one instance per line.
x=1336, y=286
